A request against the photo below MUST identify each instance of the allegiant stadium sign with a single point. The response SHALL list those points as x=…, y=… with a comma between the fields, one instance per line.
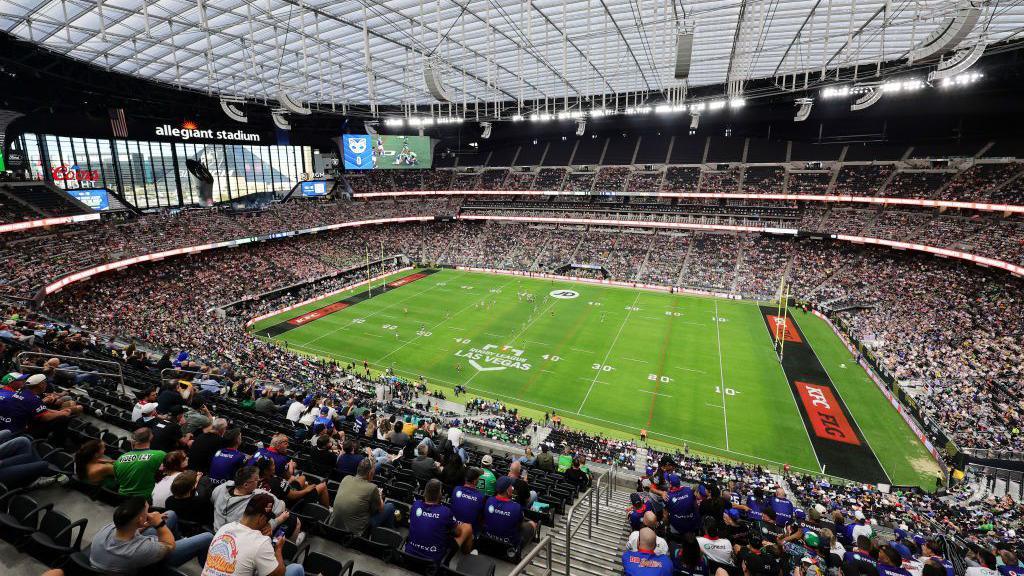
x=169, y=131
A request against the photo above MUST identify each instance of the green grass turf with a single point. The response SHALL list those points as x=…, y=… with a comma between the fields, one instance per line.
x=612, y=360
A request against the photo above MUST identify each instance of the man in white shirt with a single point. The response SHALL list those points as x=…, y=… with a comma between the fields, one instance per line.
x=244, y=548
x=986, y=561
x=862, y=527
x=295, y=409
x=650, y=521
x=713, y=546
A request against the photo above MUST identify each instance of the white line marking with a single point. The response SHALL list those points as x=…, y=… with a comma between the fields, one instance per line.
x=713, y=405
x=370, y=315
x=655, y=393
x=690, y=370
x=459, y=311
x=536, y=342
x=319, y=352
x=374, y=335
x=636, y=360
x=495, y=335
x=609, y=352
x=582, y=350
x=548, y=371
x=721, y=375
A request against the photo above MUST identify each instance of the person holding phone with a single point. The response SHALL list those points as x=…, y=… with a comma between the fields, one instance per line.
x=250, y=547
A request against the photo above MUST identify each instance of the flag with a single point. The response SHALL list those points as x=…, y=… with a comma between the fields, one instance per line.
x=117, y=123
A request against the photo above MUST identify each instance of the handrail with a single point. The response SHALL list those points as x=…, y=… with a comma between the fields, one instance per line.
x=164, y=376
x=593, y=515
x=117, y=365
x=546, y=544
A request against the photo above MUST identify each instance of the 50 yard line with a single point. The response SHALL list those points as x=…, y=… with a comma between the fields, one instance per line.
x=609, y=352
x=721, y=374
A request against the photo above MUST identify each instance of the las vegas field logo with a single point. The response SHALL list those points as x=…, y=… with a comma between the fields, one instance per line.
x=564, y=294
x=492, y=358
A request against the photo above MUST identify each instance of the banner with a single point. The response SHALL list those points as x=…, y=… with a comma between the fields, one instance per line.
x=96, y=198
x=386, y=152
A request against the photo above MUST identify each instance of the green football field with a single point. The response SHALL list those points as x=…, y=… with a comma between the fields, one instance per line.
x=694, y=370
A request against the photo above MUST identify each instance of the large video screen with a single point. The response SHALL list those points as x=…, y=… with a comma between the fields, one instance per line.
x=312, y=188
x=96, y=198
x=366, y=152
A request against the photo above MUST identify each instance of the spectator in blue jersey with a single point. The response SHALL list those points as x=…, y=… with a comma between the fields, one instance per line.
x=890, y=562
x=1006, y=564
x=467, y=502
x=860, y=560
x=359, y=425
x=227, y=460
x=26, y=409
x=350, y=457
x=278, y=452
x=650, y=521
x=682, y=506
x=503, y=517
x=782, y=506
x=11, y=383
x=323, y=420
x=644, y=561
x=432, y=525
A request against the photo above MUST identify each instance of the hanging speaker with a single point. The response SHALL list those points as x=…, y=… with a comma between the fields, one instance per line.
x=949, y=33
x=684, y=49
x=204, y=180
x=432, y=78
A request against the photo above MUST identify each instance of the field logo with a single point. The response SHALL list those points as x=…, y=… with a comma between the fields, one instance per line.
x=564, y=294
x=825, y=414
x=492, y=358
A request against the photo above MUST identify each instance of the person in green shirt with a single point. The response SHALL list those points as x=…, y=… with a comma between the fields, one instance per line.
x=487, y=480
x=136, y=470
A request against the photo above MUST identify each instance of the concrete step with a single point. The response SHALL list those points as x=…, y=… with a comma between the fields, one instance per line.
x=582, y=566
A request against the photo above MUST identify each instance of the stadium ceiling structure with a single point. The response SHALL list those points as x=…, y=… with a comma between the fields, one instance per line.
x=360, y=55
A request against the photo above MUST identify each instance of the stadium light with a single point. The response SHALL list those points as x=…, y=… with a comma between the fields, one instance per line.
x=599, y=113
x=395, y=122
x=830, y=92
x=517, y=118
x=737, y=102
x=698, y=107
x=893, y=86
x=716, y=105
x=637, y=110
x=961, y=80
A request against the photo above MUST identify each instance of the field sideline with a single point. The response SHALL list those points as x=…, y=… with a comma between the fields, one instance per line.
x=694, y=370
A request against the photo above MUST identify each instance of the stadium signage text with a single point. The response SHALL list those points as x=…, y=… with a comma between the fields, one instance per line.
x=169, y=131
x=63, y=172
x=825, y=414
x=498, y=358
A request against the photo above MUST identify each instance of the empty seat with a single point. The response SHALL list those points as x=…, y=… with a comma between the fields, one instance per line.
x=57, y=538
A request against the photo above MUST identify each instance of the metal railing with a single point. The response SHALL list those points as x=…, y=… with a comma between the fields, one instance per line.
x=546, y=545
x=593, y=515
x=119, y=374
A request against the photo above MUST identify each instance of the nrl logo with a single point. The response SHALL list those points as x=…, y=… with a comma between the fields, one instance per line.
x=357, y=145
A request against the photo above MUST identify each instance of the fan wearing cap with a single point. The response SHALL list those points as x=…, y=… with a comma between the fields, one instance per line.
x=503, y=517
x=681, y=506
x=645, y=561
x=890, y=562
x=27, y=408
x=487, y=481
x=11, y=383
x=639, y=505
x=243, y=548
x=659, y=480
x=860, y=528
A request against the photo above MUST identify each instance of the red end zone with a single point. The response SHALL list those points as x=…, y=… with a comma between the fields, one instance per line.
x=318, y=313
x=406, y=280
x=790, y=334
x=826, y=416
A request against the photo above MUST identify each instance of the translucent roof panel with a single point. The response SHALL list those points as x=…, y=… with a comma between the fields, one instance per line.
x=335, y=51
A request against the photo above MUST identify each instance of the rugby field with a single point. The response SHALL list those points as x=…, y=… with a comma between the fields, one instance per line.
x=693, y=370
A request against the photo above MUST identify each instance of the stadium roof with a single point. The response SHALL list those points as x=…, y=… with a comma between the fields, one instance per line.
x=486, y=50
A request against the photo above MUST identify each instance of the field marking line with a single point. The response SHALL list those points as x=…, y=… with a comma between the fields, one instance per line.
x=608, y=353
x=548, y=371
x=836, y=388
x=652, y=392
x=691, y=370
x=651, y=317
x=319, y=352
x=721, y=374
x=581, y=350
x=768, y=334
x=434, y=327
x=374, y=335
x=495, y=335
x=536, y=342
x=635, y=360
x=372, y=314
x=712, y=405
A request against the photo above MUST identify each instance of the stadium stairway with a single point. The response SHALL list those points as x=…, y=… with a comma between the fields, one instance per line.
x=596, y=554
